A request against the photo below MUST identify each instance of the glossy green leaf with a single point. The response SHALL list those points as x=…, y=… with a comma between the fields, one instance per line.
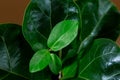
x=40, y=60
x=96, y=17
x=55, y=64
x=101, y=62
x=14, y=53
x=62, y=34
x=69, y=71
x=41, y=16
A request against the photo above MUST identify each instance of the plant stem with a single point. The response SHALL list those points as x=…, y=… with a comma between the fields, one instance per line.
x=60, y=75
x=60, y=72
x=60, y=54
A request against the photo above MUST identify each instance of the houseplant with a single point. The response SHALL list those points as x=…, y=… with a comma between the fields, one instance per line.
x=72, y=39
x=86, y=55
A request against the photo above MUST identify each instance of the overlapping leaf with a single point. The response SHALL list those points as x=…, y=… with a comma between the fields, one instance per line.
x=55, y=64
x=96, y=17
x=40, y=60
x=69, y=71
x=62, y=34
x=41, y=16
x=101, y=62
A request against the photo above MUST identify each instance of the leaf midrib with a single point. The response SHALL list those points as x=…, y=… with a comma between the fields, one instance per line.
x=100, y=20
x=4, y=76
x=93, y=31
x=96, y=27
x=60, y=37
x=93, y=61
x=10, y=66
x=7, y=52
x=11, y=72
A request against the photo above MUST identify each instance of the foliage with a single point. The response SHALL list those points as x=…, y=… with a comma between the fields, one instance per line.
x=15, y=53
x=80, y=33
x=70, y=39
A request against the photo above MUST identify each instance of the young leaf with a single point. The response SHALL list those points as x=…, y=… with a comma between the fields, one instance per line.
x=101, y=62
x=69, y=71
x=62, y=34
x=40, y=60
x=41, y=16
x=55, y=64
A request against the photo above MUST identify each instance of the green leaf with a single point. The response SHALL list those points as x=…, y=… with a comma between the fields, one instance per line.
x=101, y=62
x=55, y=64
x=96, y=17
x=62, y=34
x=40, y=60
x=14, y=57
x=41, y=16
x=69, y=71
